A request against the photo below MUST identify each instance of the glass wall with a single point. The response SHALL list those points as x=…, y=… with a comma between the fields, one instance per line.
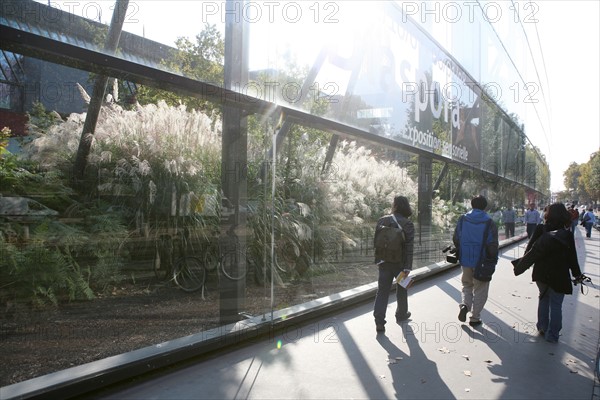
x=147, y=203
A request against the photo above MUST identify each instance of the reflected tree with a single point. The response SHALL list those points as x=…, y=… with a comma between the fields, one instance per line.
x=201, y=60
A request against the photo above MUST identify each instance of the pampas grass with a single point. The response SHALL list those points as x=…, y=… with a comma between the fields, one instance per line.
x=140, y=148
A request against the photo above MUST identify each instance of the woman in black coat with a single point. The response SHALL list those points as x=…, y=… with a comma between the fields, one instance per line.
x=554, y=259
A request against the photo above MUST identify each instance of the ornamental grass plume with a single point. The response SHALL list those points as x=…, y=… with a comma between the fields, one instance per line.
x=363, y=185
x=144, y=149
x=154, y=143
x=357, y=187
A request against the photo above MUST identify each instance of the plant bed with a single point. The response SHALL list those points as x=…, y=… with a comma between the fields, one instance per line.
x=131, y=316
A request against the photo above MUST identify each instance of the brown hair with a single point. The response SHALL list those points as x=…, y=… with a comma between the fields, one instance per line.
x=401, y=206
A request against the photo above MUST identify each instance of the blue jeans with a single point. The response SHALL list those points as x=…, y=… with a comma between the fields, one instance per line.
x=588, y=229
x=387, y=273
x=549, y=311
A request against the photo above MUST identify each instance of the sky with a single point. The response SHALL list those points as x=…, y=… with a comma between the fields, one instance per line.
x=570, y=39
x=568, y=33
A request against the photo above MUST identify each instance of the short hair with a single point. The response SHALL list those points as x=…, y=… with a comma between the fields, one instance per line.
x=401, y=206
x=557, y=216
x=479, y=202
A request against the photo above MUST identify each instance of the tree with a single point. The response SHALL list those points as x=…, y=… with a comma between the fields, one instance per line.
x=89, y=127
x=582, y=181
x=590, y=177
x=202, y=60
x=571, y=177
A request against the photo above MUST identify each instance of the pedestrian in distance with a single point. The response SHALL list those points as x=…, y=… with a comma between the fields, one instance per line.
x=391, y=265
x=476, y=240
x=539, y=230
x=574, y=217
x=588, y=221
x=554, y=259
x=532, y=219
x=509, y=217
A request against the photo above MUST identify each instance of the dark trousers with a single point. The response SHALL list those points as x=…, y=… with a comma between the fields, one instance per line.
x=588, y=229
x=509, y=229
x=574, y=225
x=387, y=273
x=530, y=230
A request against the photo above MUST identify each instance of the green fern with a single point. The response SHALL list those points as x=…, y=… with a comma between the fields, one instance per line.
x=40, y=272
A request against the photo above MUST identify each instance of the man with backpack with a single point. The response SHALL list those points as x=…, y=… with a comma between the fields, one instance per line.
x=476, y=241
x=588, y=221
x=394, y=245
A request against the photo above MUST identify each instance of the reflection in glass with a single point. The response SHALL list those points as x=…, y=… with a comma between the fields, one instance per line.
x=140, y=246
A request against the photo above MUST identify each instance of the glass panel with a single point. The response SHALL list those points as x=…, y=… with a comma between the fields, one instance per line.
x=146, y=247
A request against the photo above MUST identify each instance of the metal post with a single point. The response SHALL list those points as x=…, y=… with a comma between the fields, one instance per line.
x=234, y=159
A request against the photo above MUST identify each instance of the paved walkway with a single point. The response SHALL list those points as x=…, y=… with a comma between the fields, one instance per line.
x=433, y=356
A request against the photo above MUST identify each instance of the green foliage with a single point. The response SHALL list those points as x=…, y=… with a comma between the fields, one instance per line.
x=582, y=181
x=571, y=176
x=60, y=262
x=201, y=60
x=40, y=273
x=107, y=231
x=590, y=177
x=40, y=119
x=537, y=174
x=4, y=136
x=23, y=178
x=7, y=160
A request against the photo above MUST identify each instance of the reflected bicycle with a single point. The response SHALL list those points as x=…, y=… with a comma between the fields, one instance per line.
x=187, y=271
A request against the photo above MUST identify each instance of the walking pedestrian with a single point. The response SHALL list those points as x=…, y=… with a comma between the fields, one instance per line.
x=476, y=241
x=509, y=217
x=588, y=221
x=389, y=270
x=554, y=259
x=532, y=218
x=574, y=217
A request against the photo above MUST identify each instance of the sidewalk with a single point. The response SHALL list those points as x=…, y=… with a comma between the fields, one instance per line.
x=434, y=356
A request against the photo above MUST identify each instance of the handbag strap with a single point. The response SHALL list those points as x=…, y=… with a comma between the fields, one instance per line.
x=396, y=221
x=486, y=232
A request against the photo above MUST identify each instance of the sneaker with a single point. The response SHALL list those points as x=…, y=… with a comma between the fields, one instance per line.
x=462, y=315
x=380, y=328
x=475, y=323
x=404, y=317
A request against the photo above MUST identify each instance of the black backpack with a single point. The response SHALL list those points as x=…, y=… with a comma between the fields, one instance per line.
x=389, y=243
